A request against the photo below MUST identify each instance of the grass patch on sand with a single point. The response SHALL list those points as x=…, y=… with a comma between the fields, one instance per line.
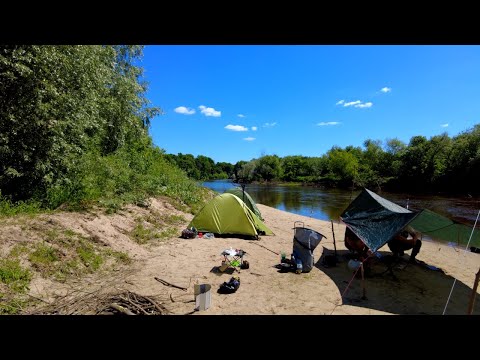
x=156, y=226
x=14, y=283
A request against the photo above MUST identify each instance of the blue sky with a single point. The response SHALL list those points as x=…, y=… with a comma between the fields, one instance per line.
x=239, y=102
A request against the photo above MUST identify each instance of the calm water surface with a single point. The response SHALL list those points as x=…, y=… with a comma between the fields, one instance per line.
x=329, y=204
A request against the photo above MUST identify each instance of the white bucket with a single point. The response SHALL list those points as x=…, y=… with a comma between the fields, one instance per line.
x=354, y=264
x=203, y=297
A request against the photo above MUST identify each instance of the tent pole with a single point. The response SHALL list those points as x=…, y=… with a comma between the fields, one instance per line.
x=364, y=296
x=242, y=184
x=334, y=243
x=474, y=293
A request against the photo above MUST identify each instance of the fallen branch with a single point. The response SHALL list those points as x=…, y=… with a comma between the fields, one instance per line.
x=160, y=309
x=121, y=309
x=134, y=305
x=256, y=274
x=166, y=283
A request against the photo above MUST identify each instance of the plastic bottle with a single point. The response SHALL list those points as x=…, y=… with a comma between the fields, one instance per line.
x=299, y=266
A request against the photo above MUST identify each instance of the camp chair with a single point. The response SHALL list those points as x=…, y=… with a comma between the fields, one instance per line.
x=305, y=241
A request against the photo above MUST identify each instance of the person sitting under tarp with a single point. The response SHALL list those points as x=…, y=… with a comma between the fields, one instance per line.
x=355, y=245
x=406, y=239
x=359, y=251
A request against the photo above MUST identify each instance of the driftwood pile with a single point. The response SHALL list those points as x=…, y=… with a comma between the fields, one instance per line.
x=113, y=300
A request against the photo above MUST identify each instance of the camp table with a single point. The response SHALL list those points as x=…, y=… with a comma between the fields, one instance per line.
x=233, y=258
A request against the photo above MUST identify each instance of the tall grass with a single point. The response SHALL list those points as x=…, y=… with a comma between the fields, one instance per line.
x=9, y=208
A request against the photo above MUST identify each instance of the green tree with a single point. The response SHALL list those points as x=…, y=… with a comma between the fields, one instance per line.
x=293, y=167
x=61, y=102
x=224, y=168
x=268, y=167
x=187, y=163
x=248, y=172
x=462, y=172
x=205, y=166
x=237, y=169
x=342, y=166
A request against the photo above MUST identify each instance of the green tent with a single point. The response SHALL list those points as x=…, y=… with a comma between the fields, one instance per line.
x=228, y=214
x=376, y=220
x=247, y=199
x=442, y=228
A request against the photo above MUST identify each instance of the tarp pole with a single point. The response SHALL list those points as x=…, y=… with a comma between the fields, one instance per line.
x=364, y=296
x=334, y=243
x=474, y=293
x=243, y=191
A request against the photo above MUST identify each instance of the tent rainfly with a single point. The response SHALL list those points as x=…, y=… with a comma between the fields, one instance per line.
x=247, y=199
x=228, y=214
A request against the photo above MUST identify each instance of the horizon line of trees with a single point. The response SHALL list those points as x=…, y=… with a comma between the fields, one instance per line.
x=439, y=164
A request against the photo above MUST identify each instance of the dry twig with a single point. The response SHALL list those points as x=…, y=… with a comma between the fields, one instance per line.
x=166, y=283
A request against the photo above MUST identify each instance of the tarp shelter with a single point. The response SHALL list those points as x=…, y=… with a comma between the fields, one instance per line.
x=247, y=199
x=375, y=220
x=442, y=228
x=228, y=214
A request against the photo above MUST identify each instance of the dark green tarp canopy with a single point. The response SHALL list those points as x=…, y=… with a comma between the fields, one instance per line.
x=247, y=199
x=442, y=228
x=374, y=219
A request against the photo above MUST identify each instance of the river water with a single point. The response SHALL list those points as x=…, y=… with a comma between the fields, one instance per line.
x=328, y=204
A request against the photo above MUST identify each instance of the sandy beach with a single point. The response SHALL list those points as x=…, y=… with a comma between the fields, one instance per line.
x=417, y=289
x=421, y=288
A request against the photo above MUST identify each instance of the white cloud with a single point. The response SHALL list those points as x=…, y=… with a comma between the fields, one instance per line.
x=328, y=123
x=241, y=115
x=385, y=89
x=365, y=105
x=352, y=103
x=254, y=128
x=249, y=138
x=236, y=128
x=356, y=103
x=208, y=111
x=444, y=125
x=269, y=124
x=184, y=110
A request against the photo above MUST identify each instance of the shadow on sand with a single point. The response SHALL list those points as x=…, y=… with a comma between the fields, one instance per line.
x=412, y=288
